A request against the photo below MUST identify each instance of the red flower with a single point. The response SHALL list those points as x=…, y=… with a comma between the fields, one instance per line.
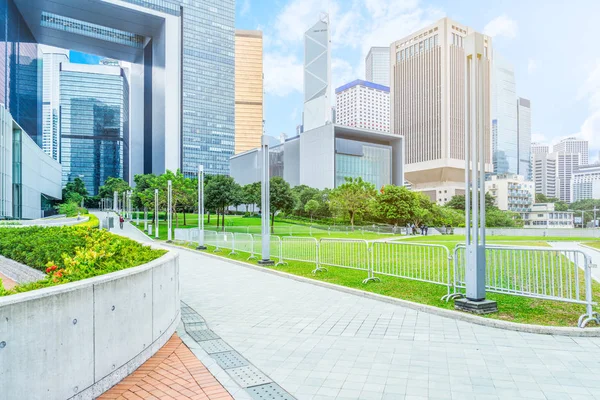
x=51, y=268
x=58, y=274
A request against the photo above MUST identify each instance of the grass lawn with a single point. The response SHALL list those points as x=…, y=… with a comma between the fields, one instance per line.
x=511, y=308
x=595, y=244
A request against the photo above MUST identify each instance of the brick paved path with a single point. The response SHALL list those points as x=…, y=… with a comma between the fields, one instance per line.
x=173, y=373
x=7, y=282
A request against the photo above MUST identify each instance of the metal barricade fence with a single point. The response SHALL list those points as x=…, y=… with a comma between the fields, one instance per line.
x=225, y=240
x=550, y=274
x=243, y=242
x=421, y=262
x=305, y=249
x=346, y=253
x=275, y=248
x=210, y=238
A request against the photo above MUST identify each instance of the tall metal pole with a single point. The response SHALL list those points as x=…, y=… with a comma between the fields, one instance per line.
x=476, y=151
x=156, y=213
x=201, y=245
x=123, y=206
x=265, y=204
x=594, y=224
x=115, y=201
x=170, y=210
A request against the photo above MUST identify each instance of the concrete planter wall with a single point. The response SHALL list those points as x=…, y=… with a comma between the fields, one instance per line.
x=561, y=232
x=79, y=339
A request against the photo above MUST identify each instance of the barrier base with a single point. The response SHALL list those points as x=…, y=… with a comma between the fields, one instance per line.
x=201, y=248
x=476, y=307
x=266, y=262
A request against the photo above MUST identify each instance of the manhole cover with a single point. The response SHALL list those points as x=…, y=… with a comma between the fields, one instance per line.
x=270, y=391
x=230, y=359
x=215, y=346
x=248, y=376
x=201, y=335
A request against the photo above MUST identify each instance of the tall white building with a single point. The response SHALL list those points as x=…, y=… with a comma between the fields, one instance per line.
x=427, y=97
x=52, y=57
x=505, y=136
x=524, y=136
x=377, y=66
x=363, y=104
x=539, y=148
x=552, y=174
x=574, y=145
x=585, y=183
x=317, y=75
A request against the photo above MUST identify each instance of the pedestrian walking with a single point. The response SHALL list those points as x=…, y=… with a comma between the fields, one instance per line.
x=426, y=228
x=422, y=229
x=121, y=220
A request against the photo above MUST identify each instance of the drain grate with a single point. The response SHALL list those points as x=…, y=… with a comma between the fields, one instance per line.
x=195, y=326
x=270, y=391
x=248, y=376
x=230, y=359
x=201, y=335
x=215, y=346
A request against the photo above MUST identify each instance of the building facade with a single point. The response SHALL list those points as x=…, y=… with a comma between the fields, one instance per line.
x=248, y=90
x=539, y=148
x=377, y=66
x=585, y=183
x=574, y=145
x=325, y=156
x=543, y=215
x=29, y=178
x=317, y=75
x=20, y=71
x=427, y=96
x=505, y=136
x=511, y=192
x=52, y=58
x=552, y=174
x=363, y=104
x=524, y=137
x=94, y=107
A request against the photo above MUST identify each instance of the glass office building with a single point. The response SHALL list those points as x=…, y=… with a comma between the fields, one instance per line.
x=370, y=161
x=20, y=71
x=94, y=118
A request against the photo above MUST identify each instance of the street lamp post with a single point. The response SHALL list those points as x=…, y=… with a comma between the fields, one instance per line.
x=476, y=145
x=265, y=203
x=201, y=245
x=156, y=213
x=115, y=201
x=169, y=210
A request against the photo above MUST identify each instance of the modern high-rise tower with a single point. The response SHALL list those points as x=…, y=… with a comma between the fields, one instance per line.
x=317, y=75
x=427, y=91
x=505, y=137
x=377, y=66
x=574, y=145
x=52, y=58
x=248, y=90
x=524, y=136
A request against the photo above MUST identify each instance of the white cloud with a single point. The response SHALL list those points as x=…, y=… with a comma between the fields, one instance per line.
x=294, y=114
x=539, y=138
x=245, y=8
x=590, y=90
x=531, y=66
x=283, y=74
x=501, y=26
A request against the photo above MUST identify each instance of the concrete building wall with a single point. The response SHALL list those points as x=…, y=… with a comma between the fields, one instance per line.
x=317, y=157
x=105, y=327
x=245, y=167
x=574, y=145
x=248, y=90
x=377, y=66
x=291, y=162
x=586, y=183
x=363, y=104
x=6, y=164
x=511, y=192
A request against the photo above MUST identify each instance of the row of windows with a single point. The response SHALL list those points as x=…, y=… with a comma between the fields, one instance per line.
x=423, y=45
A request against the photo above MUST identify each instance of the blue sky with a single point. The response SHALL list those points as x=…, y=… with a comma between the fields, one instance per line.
x=553, y=49
x=551, y=44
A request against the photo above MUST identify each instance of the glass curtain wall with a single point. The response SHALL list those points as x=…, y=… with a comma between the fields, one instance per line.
x=371, y=162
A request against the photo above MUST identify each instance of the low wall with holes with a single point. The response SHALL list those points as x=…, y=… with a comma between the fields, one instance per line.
x=77, y=340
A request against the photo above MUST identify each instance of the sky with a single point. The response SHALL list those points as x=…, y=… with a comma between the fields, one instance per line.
x=553, y=49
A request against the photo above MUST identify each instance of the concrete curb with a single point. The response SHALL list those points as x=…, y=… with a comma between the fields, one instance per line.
x=18, y=272
x=511, y=326
x=588, y=247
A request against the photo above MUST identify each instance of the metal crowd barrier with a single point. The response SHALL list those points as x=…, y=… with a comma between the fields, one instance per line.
x=275, y=247
x=550, y=274
x=420, y=262
x=305, y=249
x=346, y=253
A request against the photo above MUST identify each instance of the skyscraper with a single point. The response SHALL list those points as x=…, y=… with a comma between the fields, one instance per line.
x=427, y=92
x=539, y=148
x=553, y=172
x=505, y=138
x=377, y=66
x=317, y=75
x=524, y=136
x=52, y=57
x=248, y=90
x=20, y=71
x=364, y=105
x=574, y=145
x=94, y=102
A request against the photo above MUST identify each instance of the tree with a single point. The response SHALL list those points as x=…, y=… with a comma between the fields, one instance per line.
x=142, y=183
x=112, y=185
x=220, y=192
x=458, y=202
x=311, y=207
x=251, y=194
x=281, y=197
x=352, y=198
x=74, y=191
x=395, y=205
x=541, y=198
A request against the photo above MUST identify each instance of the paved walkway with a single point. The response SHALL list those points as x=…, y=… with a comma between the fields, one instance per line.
x=7, y=282
x=172, y=373
x=322, y=344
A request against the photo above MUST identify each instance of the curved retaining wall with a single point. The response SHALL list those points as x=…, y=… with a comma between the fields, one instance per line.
x=79, y=339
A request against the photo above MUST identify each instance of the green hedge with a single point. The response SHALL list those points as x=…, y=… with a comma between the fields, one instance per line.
x=68, y=254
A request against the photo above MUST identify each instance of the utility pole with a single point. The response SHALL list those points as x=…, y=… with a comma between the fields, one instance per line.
x=265, y=204
x=170, y=210
x=201, y=245
x=156, y=213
